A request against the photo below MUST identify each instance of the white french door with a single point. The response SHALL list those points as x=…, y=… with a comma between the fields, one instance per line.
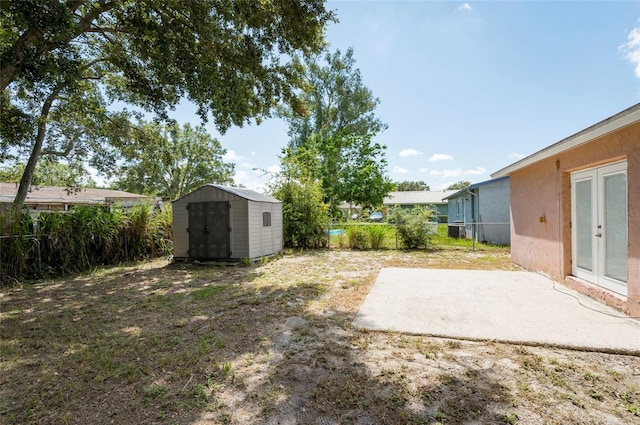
x=599, y=226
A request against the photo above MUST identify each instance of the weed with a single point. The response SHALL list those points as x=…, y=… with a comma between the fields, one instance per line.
x=574, y=399
x=155, y=390
x=209, y=292
x=511, y=418
x=454, y=344
x=596, y=394
x=246, y=261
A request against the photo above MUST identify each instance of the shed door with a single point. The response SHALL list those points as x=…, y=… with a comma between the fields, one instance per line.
x=209, y=230
x=599, y=226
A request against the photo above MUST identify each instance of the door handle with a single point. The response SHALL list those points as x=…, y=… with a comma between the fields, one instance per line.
x=599, y=235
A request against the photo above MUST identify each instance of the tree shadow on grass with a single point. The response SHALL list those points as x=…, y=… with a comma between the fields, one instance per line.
x=140, y=345
x=180, y=343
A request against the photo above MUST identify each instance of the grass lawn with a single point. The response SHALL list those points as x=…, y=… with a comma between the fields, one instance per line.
x=176, y=343
x=440, y=240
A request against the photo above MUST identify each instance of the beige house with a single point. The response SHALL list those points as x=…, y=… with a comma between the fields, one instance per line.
x=575, y=211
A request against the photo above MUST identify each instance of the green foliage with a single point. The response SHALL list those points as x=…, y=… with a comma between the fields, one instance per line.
x=407, y=186
x=335, y=101
x=459, y=185
x=63, y=65
x=304, y=214
x=331, y=136
x=412, y=226
x=82, y=239
x=50, y=173
x=358, y=237
x=377, y=235
x=171, y=161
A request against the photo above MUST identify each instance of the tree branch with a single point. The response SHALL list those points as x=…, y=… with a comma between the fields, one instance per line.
x=34, y=40
x=29, y=169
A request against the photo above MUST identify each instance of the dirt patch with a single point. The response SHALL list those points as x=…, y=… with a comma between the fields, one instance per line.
x=273, y=344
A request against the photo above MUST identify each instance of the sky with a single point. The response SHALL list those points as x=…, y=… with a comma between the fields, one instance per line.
x=467, y=88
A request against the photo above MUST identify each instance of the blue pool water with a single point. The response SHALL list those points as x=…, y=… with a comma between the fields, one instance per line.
x=335, y=232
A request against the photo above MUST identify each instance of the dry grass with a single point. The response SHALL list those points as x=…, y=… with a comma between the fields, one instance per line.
x=273, y=343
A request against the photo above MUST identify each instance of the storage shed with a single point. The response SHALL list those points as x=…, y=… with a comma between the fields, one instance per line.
x=221, y=222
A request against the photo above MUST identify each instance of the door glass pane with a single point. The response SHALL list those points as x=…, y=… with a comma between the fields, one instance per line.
x=584, y=225
x=615, y=226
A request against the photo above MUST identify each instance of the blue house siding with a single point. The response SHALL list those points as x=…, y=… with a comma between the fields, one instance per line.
x=483, y=210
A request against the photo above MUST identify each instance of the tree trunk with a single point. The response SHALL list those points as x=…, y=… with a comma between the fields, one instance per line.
x=27, y=175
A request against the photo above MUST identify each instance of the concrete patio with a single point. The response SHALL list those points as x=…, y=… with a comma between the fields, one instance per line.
x=508, y=306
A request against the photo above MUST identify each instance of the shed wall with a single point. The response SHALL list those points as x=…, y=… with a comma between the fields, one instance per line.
x=239, y=228
x=541, y=212
x=248, y=237
x=237, y=220
x=264, y=240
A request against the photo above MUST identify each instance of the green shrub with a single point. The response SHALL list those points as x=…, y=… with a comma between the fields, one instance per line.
x=304, y=214
x=377, y=234
x=358, y=237
x=412, y=226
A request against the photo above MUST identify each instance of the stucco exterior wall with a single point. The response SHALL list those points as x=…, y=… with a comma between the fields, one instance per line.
x=541, y=212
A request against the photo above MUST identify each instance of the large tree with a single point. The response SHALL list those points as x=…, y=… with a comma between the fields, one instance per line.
x=408, y=186
x=171, y=161
x=65, y=60
x=332, y=131
x=459, y=185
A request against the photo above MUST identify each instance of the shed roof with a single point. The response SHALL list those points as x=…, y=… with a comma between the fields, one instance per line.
x=615, y=122
x=246, y=194
x=59, y=194
x=417, y=197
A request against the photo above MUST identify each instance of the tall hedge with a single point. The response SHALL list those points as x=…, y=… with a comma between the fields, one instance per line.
x=56, y=244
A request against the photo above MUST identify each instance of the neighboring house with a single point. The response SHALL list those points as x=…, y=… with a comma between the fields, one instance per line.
x=221, y=222
x=350, y=209
x=482, y=212
x=57, y=198
x=575, y=211
x=426, y=198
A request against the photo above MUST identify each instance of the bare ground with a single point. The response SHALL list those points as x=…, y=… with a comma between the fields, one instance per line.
x=272, y=343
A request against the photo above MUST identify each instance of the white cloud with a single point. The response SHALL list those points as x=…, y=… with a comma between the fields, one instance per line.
x=274, y=169
x=440, y=157
x=465, y=7
x=423, y=170
x=250, y=180
x=457, y=172
x=515, y=155
x=632, y=49
x=400, y=170
x=409, y=152
x=232, y=156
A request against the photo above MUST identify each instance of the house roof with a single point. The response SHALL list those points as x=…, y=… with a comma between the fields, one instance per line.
x=476, y=185
x=62, y=195
x=417, y=197
x=613, y=123
x=246, y=194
